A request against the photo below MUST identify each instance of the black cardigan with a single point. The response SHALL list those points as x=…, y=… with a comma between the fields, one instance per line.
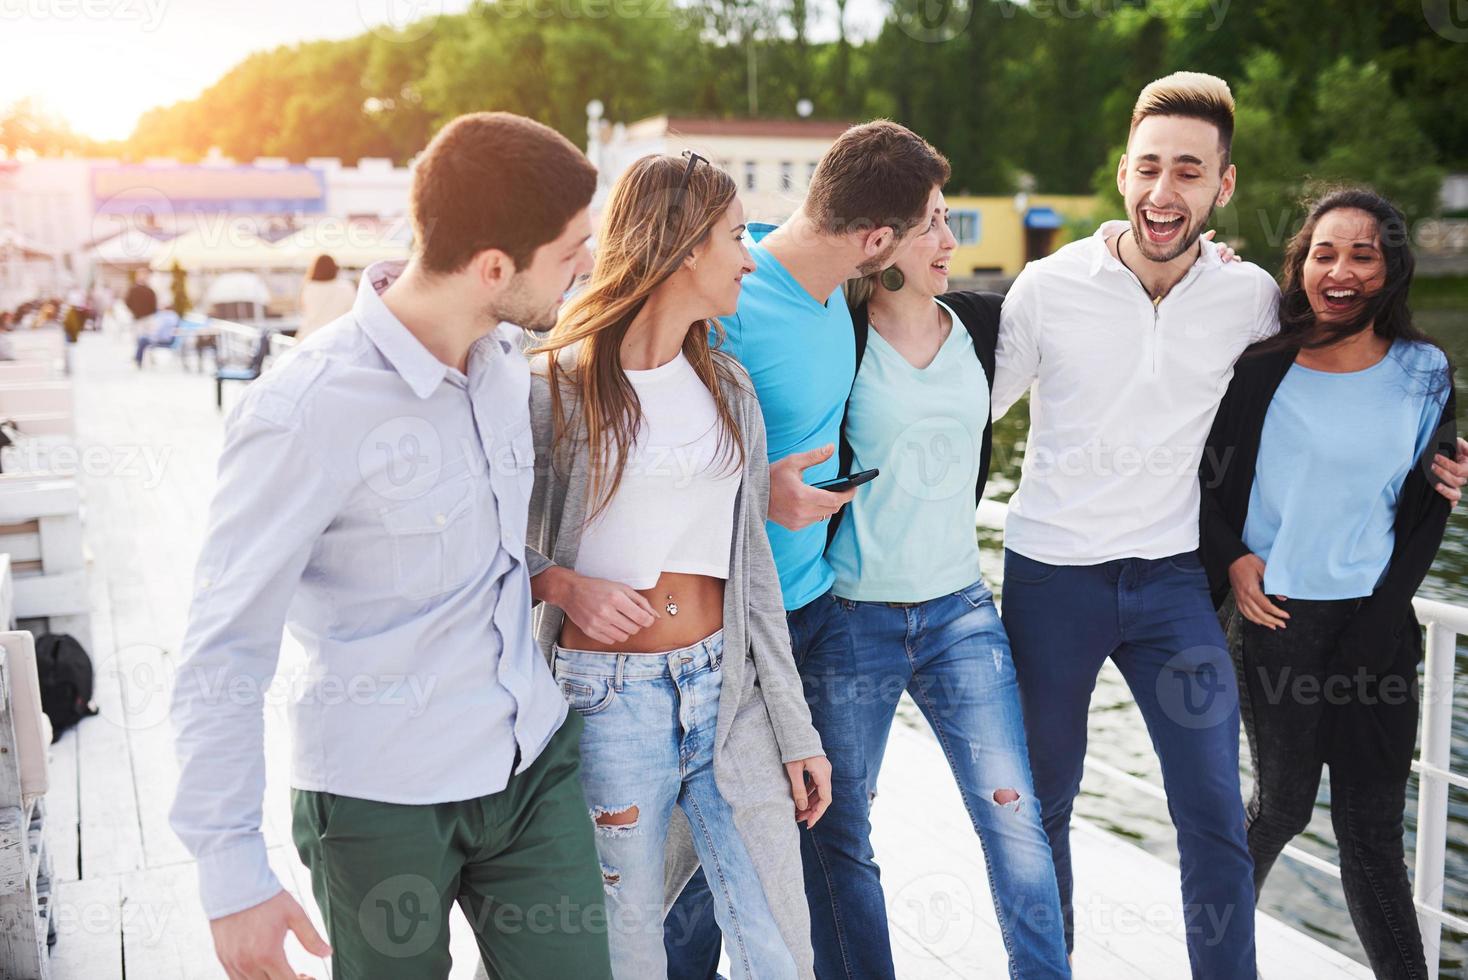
x=980, y=315
x=1364, y=736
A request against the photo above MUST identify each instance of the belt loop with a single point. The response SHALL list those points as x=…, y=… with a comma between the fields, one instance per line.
x=716, y=655
x=617, y=677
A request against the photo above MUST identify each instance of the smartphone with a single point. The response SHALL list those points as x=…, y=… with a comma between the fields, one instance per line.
x=850, y=482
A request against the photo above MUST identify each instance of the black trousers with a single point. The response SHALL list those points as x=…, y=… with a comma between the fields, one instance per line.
x=1283, y=696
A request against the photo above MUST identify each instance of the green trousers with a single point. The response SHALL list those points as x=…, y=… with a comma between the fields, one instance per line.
x=521, y=863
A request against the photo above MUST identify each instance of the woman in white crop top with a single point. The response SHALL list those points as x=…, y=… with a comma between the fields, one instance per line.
x=648, y=554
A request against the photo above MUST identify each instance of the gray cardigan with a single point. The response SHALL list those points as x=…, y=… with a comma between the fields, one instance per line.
x=763, y=719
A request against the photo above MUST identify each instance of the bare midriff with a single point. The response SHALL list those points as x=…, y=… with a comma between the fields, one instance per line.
x=700, y=603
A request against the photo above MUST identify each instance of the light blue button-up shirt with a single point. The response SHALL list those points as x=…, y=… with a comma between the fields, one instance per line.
x=373, y=500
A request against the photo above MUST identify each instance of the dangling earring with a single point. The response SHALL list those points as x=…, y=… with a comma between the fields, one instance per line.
x=893, y=279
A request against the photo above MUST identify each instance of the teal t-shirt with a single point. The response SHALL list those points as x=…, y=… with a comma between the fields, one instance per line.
x=909, y=536
x=801, y=354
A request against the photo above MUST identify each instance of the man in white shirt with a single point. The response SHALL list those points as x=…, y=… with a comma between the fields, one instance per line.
x=1130, y=341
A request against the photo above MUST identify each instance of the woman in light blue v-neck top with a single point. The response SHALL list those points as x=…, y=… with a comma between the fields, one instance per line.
x=906, y=560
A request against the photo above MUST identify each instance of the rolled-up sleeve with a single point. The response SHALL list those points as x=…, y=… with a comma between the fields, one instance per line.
x=274, y=498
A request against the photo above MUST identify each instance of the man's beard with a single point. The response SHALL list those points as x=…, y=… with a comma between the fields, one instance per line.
x=1184, y=242
x=522, y=309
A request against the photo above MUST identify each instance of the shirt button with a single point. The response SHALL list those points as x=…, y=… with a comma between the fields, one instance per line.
x=438, y=519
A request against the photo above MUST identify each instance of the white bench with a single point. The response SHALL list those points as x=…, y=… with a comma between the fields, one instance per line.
x=39, y=409
x=47, y=341
x=46, y=347
x=43, y=412
x=41, y=531
x=12, y=372
x=36, y=397
x=25, y=860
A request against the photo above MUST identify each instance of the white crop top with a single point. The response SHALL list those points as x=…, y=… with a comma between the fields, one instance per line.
x=674, y=509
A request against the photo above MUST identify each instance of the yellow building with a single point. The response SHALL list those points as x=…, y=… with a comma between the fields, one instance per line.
x=998, y=235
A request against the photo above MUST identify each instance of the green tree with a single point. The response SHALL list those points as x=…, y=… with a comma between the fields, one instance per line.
x=1369, y=136
x=1267, y=156
x=1343, y=89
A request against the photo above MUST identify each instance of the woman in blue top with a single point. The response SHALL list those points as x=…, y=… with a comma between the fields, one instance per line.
x=906, y=558
x=1320, y=515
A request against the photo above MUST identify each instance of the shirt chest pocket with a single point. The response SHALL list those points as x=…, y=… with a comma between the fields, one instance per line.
x=437, y=539
x=514, y=482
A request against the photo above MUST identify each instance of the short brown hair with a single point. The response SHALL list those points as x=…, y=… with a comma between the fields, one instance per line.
x=1192, y=95
x=495, y=180
x=876, y=174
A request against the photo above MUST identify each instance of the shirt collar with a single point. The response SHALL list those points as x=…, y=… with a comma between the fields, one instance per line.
x=409, y=358
x=1101, y=257
x=757, y=230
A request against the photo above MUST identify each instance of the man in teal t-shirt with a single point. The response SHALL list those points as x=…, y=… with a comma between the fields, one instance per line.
x=793, y=334
x=800, y=353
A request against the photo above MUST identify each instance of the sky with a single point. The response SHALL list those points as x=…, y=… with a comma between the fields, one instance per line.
x=99, y=64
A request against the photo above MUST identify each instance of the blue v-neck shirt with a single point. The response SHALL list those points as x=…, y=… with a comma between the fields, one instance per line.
x=801, y=354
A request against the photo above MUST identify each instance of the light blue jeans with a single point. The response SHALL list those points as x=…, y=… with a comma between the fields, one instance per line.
x=952, y=656
x=649, y=744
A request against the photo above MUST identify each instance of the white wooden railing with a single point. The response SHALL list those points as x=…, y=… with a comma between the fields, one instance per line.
x=1434, y=766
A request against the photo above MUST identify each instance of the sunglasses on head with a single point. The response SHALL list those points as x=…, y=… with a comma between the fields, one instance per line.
x=693, y=161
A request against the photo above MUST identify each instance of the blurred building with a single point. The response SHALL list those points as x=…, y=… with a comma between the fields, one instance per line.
x=101, y=220
x=771, y=160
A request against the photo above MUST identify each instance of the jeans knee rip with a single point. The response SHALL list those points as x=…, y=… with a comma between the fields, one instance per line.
x=616, y=821
x=611, y=880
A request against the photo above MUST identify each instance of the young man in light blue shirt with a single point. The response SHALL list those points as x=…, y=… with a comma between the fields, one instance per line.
x=793, y=334
x=373, y=494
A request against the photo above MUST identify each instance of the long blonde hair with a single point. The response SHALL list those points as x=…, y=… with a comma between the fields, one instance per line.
x=648, y=229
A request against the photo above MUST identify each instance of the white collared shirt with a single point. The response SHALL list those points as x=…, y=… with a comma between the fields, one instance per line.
x=374, y=500
x=1125, y=392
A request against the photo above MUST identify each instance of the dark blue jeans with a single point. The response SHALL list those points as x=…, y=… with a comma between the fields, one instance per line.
x=1154, y=619
x=848, y=911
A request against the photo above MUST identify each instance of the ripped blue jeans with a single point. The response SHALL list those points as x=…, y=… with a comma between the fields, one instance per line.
x=648, y=746
x=952, y=656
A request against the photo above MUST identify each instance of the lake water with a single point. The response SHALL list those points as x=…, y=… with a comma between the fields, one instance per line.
x=1310, y=900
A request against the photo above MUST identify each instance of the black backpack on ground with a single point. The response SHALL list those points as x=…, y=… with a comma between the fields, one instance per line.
x=64, y=671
